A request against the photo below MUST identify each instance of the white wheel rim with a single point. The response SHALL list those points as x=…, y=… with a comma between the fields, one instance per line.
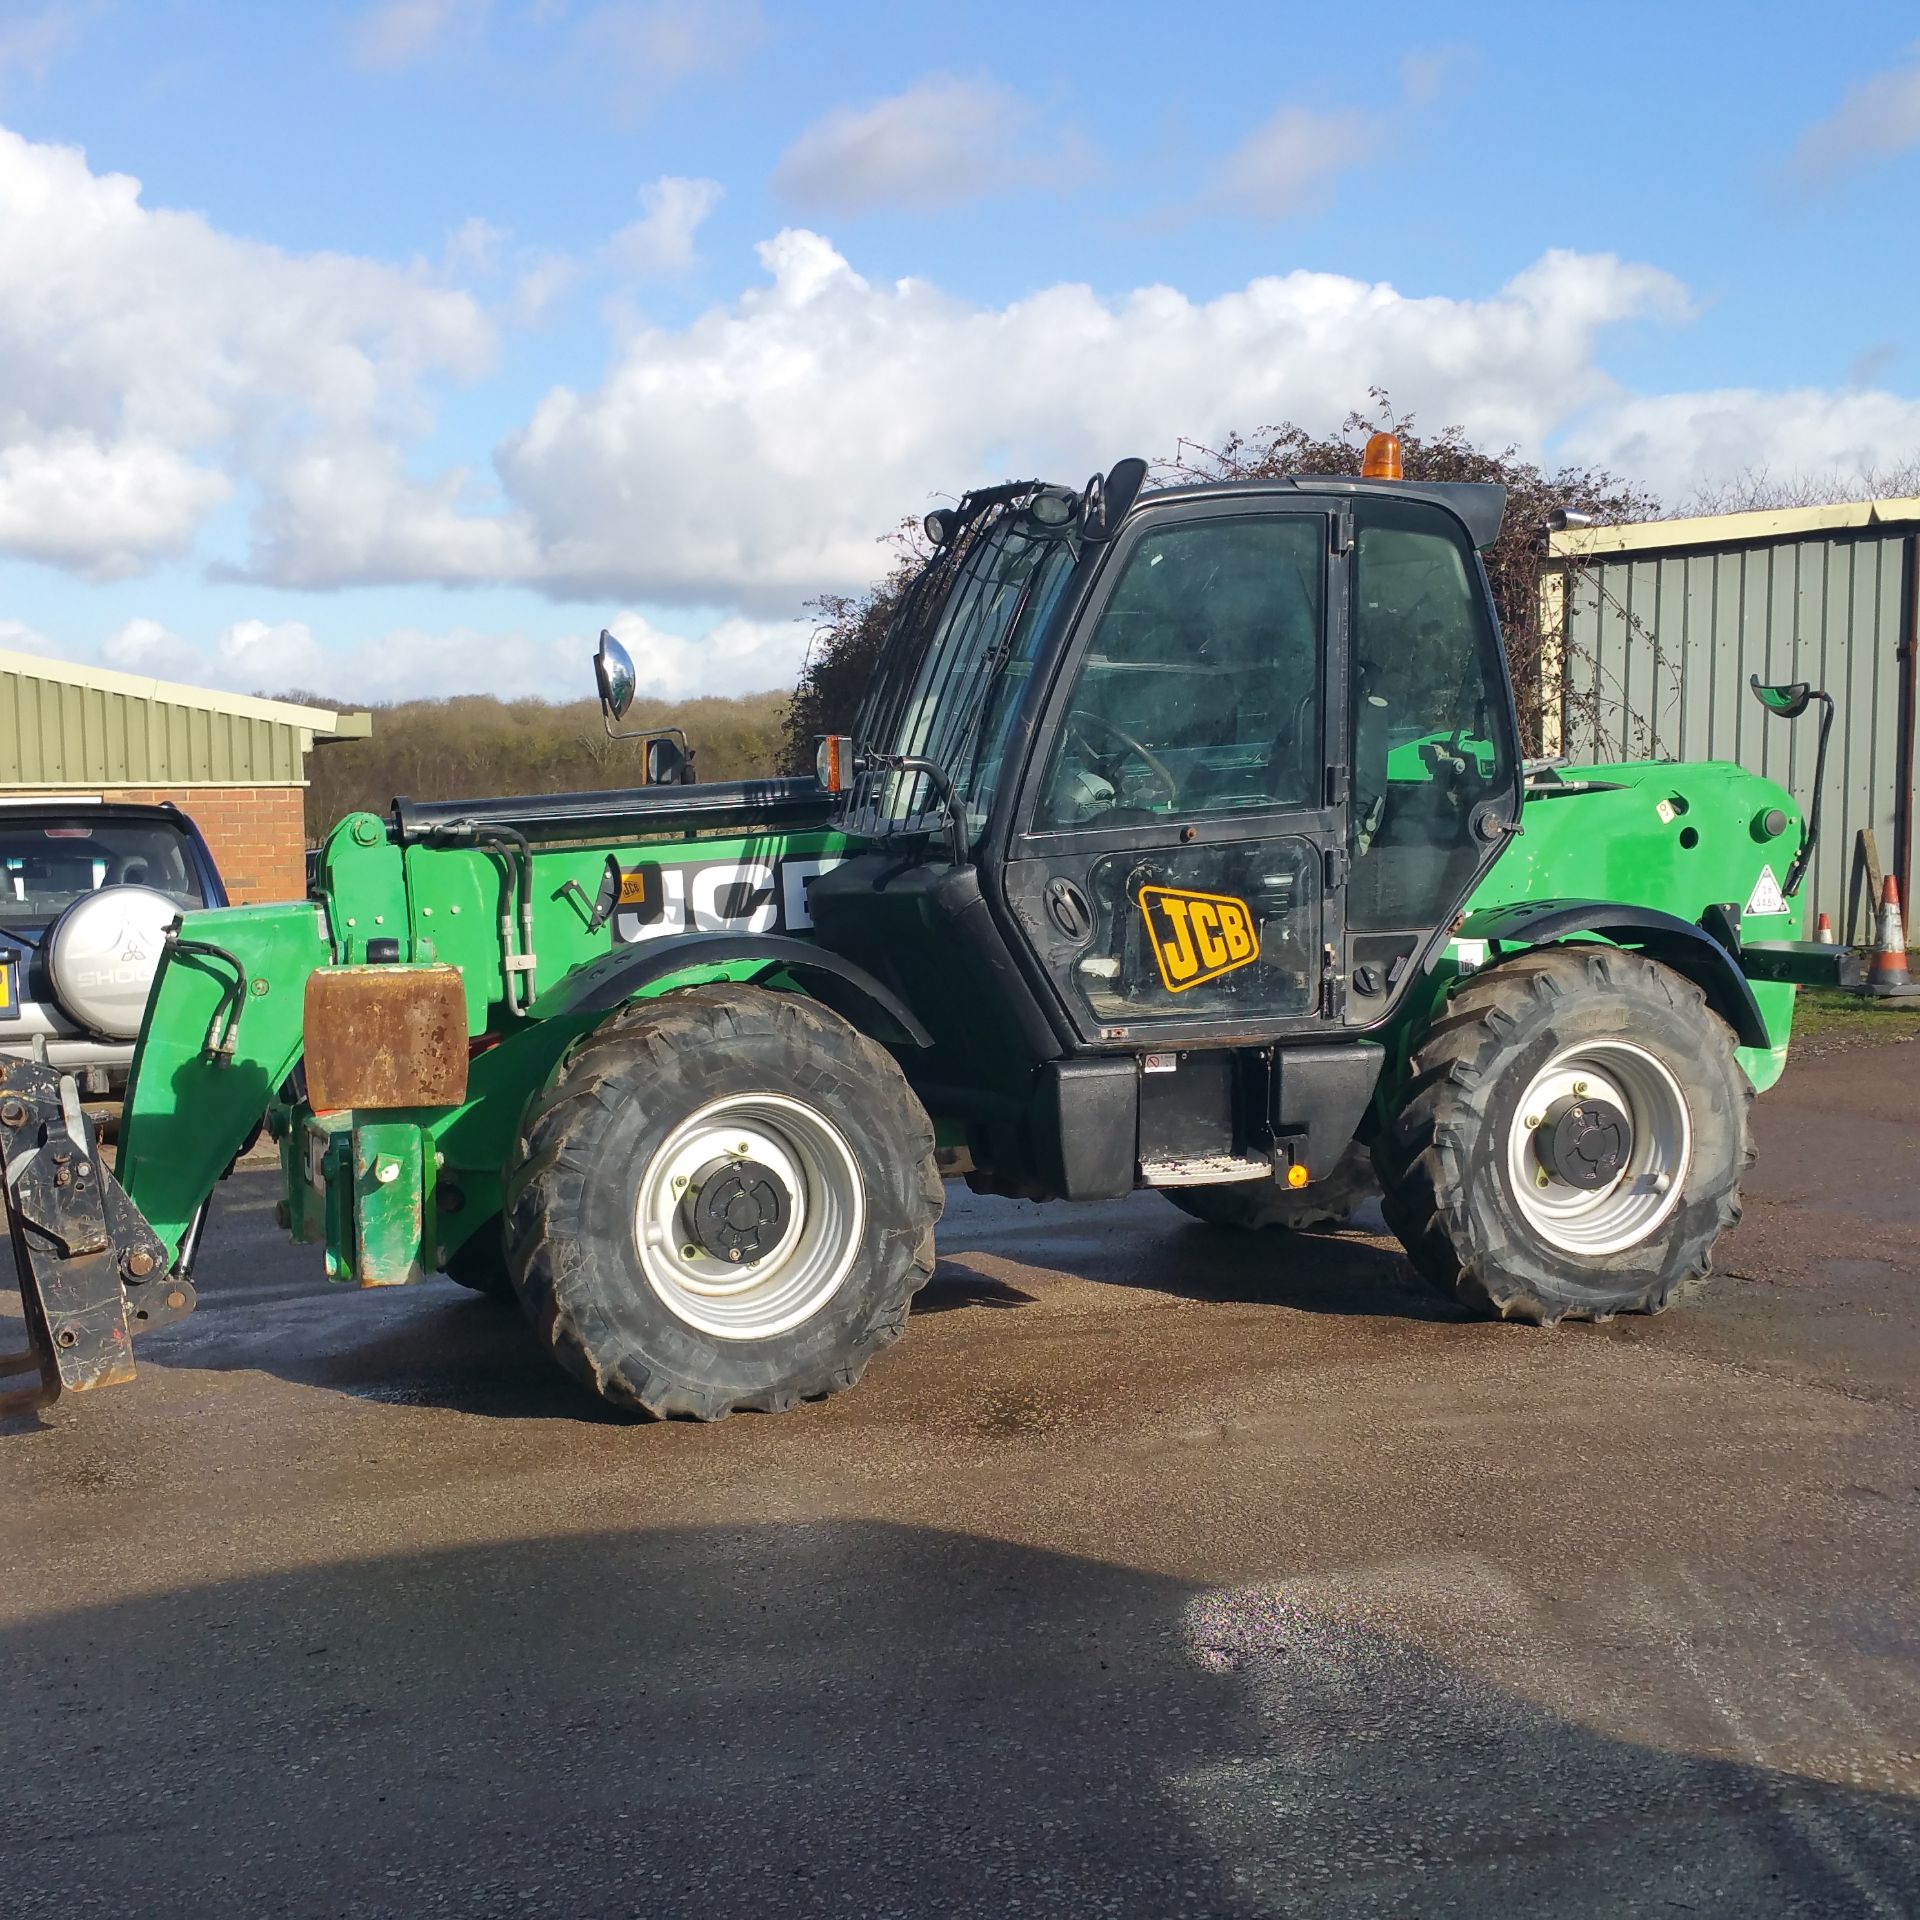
x=795, y=1278
x=1592, y=1221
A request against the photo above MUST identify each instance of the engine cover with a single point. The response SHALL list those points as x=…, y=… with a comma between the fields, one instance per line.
x=103, y=953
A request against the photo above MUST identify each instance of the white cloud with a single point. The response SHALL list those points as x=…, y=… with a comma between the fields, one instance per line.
x=349, y=514
x=146, y=359
x=476, y=247
x=17, y=637
x=146, y=645
x=1287, y=165
x=1677, y=443
x=251, y=656
x=939, y=144
x=31, y=41
x=1288, y=162
x=260, y=653
x=660, y=242
x=1878, y=119
x=752, y=457
x=631, y=51
x=105, y=507
x=401, y=33
x=257, y=656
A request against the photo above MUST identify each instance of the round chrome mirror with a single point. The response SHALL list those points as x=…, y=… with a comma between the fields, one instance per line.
x=613, y=670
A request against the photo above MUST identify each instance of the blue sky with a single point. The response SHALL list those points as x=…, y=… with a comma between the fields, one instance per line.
x=389, y=348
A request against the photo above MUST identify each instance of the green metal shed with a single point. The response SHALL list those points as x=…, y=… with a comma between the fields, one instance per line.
x=1663, y=621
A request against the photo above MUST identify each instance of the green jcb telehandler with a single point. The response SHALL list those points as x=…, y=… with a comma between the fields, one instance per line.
x=1184, y=841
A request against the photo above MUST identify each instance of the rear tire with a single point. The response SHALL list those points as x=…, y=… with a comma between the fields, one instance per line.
x=1533, y=1052
x=619, y=1234
x=1253, y=1205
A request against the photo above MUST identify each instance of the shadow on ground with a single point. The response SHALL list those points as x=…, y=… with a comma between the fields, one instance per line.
x=265, y=1305
x=848, y=1717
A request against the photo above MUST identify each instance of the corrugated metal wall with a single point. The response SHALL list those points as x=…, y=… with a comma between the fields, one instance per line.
x=53, y=733
x=1659, y=647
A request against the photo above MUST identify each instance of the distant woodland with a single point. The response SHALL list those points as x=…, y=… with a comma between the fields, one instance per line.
x=476, y=745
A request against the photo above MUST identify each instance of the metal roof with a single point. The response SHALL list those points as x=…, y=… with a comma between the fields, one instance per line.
x=1733, y=529
x=65, y=725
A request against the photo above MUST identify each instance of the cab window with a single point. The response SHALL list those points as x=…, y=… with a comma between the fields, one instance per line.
x=1431, y=731
x=1199, y=691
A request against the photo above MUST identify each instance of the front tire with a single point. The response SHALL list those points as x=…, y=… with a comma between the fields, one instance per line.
x=1573, y=1138
x=723, y=1200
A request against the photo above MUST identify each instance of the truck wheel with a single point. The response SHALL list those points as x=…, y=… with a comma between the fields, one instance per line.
x=1253, y=1204
x=1573, y=1139
x=723, y=1200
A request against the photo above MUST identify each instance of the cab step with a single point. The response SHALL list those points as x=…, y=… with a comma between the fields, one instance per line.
x=1203, y=1170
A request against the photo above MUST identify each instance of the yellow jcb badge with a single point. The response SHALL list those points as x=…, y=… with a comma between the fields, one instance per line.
x=1197, y=937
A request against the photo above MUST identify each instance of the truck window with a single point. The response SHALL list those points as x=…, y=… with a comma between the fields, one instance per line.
x=1199, y=692
x=46, y=866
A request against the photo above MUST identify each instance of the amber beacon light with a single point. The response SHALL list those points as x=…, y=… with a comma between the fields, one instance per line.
x=1381, y=461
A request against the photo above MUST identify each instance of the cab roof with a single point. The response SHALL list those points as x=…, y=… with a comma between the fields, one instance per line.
x=1479, y=506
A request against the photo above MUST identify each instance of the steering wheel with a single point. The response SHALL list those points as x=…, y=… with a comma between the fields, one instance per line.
x=1079, y=720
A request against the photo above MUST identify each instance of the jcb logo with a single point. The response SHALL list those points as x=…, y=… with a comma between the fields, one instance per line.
x=1197, y=937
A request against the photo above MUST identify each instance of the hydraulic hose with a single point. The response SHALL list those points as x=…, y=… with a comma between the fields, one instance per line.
x=516, y=913
x=226, y=1016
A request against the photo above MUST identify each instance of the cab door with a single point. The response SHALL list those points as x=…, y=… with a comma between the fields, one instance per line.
x=1177, y=858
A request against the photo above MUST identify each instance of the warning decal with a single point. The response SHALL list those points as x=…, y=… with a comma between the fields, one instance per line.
x=1766, y=896
x=1197, y=937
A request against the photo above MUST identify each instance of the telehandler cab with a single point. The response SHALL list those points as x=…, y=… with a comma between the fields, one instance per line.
x=1184, y=841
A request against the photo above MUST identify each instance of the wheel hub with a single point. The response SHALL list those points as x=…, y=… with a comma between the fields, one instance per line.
x=739, y=1210
x=750, y=1215
x=1584, y=1141
x=1598, y=1147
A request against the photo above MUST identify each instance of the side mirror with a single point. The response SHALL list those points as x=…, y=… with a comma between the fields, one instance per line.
x=613, y=672
x=665, y=761
x=1789, y=701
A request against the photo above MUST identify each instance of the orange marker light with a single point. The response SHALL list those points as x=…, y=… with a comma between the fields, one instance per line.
x=1381, y=461
x=1296, y=1176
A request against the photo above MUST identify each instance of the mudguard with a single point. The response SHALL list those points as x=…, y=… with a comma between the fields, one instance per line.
x=1665, y=937
x=751, y=958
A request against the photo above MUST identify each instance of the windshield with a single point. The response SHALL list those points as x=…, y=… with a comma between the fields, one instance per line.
x=47, y=864
x=951, y=697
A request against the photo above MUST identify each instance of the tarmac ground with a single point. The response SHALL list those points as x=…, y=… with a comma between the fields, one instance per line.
x=1157, y=1571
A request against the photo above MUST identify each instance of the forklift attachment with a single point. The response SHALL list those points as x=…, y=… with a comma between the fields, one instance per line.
x=91, y=1273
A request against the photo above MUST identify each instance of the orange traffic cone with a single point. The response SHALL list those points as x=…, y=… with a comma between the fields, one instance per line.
x=1823, y=931
x=1888, y=973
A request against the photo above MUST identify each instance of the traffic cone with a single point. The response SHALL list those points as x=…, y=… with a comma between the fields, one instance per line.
x=1823, y=931
x=1888, y=973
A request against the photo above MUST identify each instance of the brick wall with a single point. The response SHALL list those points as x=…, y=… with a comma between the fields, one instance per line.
x=258, y=834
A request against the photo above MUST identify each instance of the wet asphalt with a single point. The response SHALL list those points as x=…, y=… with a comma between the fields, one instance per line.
x=1156, y=1572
